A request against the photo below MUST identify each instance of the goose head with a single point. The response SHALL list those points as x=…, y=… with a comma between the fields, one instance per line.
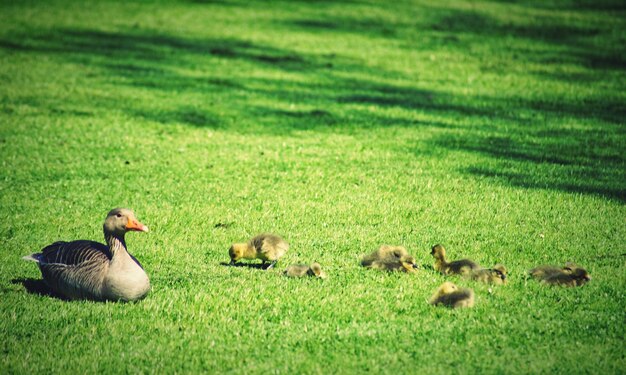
x=316, y=270
x=500, y=271
x=409, y=263
x=438, y=252
x=447, y=288
x=580, y=275
x=122, y=220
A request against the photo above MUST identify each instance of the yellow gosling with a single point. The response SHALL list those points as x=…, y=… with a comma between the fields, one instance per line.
x=450, y=295
x=266, y=247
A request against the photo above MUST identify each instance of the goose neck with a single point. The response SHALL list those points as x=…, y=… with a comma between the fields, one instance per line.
x=116, y=243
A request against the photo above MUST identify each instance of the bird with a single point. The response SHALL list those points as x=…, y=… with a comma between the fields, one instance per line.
x=300, y=270
x=85, y=269
x=390, y=258
x=460, y=267
x=450, y=295
x=383, y=252
x=575, y=277
x=267, y=247
x=544, y=271
x=495, y=275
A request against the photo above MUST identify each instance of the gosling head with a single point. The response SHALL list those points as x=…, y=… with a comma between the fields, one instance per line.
x=237, y=251
x=580, y=275
x=316, y=270
x=122, y=220
x=500, y=271
x=438, y=251
x=447, y=288
x=408, y=262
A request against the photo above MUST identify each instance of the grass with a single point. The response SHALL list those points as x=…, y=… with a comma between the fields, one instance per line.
x=493, y=127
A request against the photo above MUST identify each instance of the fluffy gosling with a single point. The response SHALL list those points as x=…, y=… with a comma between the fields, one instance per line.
x=267, y=247
x=450, y=295
x=576, y=277
x=383, y=252
x=456, y=267
x=390, y=258
x=301, y=270
x=545, y=271
x=495, y=275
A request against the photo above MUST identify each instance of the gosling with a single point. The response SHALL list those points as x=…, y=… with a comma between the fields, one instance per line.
x=390, y=258
x=267, y=247
x=545, y=271
x=301, y=270
x=495, y=275
x=456, y=267
x=450, y=295
x=575, y=277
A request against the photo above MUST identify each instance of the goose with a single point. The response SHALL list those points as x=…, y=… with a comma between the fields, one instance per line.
x=450, y=295
x=390, y=258
x=300, y=270
x=495, y=275
x=383, y=252
x=90, y=270
x=267, y=247
x=545, y=271
x=460, y=267
x=575, y=277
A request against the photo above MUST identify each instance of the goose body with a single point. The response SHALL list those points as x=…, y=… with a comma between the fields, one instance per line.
x=575, y=277
x=450, y=295
x=390, y=258
x=456, y=267
x=91, y=270
x=266, y=247
x=495, y=275
x=301, y=270
x=545, y=271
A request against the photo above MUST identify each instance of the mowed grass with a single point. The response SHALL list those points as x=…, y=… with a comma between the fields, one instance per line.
x=495, y=128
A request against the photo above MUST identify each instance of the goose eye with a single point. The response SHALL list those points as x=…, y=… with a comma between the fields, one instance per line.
x=119, y=215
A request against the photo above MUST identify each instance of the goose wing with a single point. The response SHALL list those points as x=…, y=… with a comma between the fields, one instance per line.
x=74, y=252
x=75, y=269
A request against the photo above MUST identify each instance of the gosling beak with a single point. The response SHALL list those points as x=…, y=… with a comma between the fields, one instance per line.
x=503, y=277
x=137, y=226
x=416, y=266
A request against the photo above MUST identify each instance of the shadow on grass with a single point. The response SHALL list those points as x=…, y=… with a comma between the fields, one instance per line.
x=256, y=266
x=575, y=43
x=37, y=286
x=334, y=91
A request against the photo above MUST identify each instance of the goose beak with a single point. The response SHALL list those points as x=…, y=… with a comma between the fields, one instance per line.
x=135, y=225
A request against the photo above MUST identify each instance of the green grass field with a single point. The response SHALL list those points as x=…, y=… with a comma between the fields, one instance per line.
x=496, y=128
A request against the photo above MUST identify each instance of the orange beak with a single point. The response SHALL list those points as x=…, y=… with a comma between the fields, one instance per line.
x=135, y=225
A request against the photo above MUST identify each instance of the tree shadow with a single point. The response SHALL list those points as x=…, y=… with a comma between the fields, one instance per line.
x=575, y=42
x=584, y=182
x=335, y=91
x=586, y=162
x=190, y=116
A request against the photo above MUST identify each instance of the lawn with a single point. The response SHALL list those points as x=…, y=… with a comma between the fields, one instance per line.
x=496, y=128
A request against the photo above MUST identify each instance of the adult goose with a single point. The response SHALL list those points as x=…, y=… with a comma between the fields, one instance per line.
x=90, y=270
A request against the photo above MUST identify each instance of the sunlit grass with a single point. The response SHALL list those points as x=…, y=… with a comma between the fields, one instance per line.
x=496, y=129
